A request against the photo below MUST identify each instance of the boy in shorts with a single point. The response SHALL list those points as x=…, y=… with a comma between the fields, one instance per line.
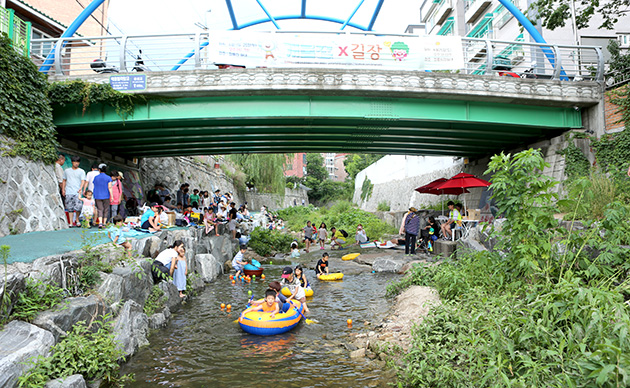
x=239, y=260
x=308, y=235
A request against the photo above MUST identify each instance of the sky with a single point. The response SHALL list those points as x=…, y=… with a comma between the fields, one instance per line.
x=168, y=16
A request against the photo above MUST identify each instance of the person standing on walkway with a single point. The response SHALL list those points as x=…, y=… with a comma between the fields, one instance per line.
x=61, y=159
x=102, y=194
x=412, y=227
x=89, y=177
x=114, y=200
x=72, y=186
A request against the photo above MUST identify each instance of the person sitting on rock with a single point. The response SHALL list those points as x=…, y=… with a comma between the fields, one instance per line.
x=117, y=233
x=150, y=218
x=161, y=268
x=322, y=265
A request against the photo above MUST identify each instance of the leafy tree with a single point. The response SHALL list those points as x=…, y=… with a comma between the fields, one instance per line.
x=315, y=167
x=355, y=163
x=263, y=171
x=555, y=13
x=619, y=62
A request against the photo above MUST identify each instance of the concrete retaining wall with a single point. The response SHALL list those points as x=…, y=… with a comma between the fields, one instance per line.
x=29, y=197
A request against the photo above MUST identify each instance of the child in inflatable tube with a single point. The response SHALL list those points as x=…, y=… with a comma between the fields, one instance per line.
x=269, y=305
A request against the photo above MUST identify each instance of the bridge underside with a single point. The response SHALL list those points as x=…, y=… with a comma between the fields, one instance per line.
x=287, y=124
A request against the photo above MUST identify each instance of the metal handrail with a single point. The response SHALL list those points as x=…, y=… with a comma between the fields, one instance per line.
x=475, y=49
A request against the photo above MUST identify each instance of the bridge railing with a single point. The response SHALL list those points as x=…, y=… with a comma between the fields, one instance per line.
x=160, y=52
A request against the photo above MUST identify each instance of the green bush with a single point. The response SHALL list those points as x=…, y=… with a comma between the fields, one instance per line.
x=264, y=241
x=343, y=215
x=25, y=112
x=95, y=355
x=383, y=206
x=37, y=296
x=155, y=301
x=530, y=315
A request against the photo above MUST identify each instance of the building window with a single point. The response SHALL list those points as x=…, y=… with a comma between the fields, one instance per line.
x=624, y=40
x=40, y=49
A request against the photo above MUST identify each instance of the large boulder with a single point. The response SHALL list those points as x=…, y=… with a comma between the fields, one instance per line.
x=19, y=342
x=147, y=247
x=160, y=319
x=136, y=282
x=208, y=267
x=131, y=328
x=55, y=268
x=74, y=381
x=13, y=285
x=111, y=288
x=61, y=319
x=173, y=299
x=387, y=264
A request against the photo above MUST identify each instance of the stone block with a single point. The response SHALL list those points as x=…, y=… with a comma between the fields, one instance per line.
x=54, y=269
x=72, y=310
x=173, y=300
x=208, y=267
x=136, y=282
x=131, y=328
x=19, y=342
x=74, y=381
x=13, y=285
x=445, y=248
x=387, y=264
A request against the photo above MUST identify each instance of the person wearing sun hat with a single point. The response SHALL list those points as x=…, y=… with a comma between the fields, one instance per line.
x=410, y=226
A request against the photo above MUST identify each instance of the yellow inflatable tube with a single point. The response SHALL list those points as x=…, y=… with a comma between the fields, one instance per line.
x=350, y=256
x=308, y=291
x=330, y=277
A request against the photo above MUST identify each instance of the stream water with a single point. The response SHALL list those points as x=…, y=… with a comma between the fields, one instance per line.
x=202, y=346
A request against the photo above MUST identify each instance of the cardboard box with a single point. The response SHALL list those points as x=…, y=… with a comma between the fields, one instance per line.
x=474, y=214
x=171, y=218
x=134, y=220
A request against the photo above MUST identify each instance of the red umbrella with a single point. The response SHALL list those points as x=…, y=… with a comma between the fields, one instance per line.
x=432, y=188
x=462, y=181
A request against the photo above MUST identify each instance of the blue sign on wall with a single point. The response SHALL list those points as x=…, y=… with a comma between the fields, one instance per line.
x=128, y=82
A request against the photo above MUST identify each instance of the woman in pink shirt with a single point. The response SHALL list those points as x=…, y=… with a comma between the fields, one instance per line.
x=114, y=200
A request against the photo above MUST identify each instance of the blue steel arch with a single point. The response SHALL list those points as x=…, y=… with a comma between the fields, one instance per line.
x=72, y=29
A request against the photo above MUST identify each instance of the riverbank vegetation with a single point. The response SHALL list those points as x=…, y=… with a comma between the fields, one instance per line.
x=89, y=351
x=343, y=215
x=545, y=308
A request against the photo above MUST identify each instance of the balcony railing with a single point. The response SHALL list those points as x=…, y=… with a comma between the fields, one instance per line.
x=17, y=30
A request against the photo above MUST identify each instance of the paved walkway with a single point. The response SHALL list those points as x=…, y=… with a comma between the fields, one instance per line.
x=30, y=246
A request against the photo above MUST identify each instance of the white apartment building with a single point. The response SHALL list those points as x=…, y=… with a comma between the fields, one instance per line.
x=489, y=19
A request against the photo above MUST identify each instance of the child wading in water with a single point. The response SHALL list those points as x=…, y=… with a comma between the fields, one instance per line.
x=322, y=234
x=179, y=272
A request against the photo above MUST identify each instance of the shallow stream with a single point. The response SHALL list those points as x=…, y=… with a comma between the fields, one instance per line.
x=202, y=346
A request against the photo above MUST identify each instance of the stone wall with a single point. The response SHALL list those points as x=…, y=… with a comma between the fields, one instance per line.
x=199, y=172
x=29, y=197
x=292, y=197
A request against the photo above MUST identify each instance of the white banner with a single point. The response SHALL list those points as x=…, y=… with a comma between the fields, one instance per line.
x=261, y=49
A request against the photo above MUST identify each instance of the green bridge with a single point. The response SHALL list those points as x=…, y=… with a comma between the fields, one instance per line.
x=299, y=110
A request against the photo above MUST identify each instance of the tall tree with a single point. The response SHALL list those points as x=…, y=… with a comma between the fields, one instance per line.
x=263, y=171
x=315, y=167
x=555, y=13
x=355, y=163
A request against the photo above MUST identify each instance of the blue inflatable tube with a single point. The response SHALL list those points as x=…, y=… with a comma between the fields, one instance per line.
x=259, y=323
